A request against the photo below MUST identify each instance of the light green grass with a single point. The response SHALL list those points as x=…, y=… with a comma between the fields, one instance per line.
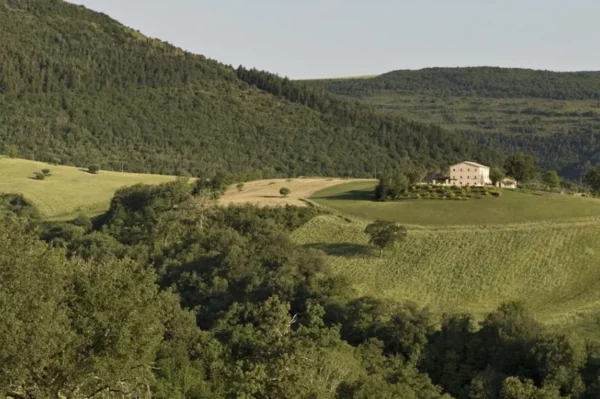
x=69, y=190
x=512, y=207
x=553, y=267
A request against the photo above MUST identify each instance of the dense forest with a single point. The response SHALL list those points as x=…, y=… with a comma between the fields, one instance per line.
x=77, y=87
x=475, y=81
x=553, y=115
x=167, y=296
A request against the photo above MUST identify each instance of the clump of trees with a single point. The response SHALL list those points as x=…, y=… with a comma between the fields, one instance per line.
x=94, y=169
x=391, y=186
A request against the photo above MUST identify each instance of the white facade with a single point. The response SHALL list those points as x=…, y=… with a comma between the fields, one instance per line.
x=469, y=174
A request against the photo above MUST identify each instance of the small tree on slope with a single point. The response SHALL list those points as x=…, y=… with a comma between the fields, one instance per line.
x=385, y=234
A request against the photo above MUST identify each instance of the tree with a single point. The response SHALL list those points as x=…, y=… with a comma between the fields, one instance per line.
x=415, y=175
x=384, y=234
x=285, y=191
x=552, y=179
x=40, y=176
x=391, y=186
x=46, y=171
x=521, y=167
x=240, y=186
x=592, y=178
x=496, y=175
x=94, y=169
x=12, y=151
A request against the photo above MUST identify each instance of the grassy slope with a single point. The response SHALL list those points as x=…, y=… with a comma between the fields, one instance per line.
x=69, y=190
x=512, y=207
x=553, y=267
x=537, y=249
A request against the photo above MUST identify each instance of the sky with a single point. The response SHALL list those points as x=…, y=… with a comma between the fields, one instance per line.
x=305, y=39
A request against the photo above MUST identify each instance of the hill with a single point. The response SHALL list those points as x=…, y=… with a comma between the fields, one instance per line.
x=78, y=87
x=68, y=191
x=554, y=115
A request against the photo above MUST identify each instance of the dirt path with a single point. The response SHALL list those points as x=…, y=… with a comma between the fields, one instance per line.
x=266, y=192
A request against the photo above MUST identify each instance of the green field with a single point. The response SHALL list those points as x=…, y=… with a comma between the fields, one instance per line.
x=69, y=190
x=470, y=256
x=553, y=267
x=356, y=199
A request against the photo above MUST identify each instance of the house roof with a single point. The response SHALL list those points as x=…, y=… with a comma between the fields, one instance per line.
x=471, y=163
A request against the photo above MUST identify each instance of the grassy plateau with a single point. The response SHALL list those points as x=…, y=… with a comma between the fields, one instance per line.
x=356, y=199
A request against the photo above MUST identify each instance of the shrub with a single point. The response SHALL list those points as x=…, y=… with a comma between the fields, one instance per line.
x=40, y=176
x=240, y=186
x=285, y=191
x=83, y=221
x=94, y=169
x=496, y=193
x=46, y=171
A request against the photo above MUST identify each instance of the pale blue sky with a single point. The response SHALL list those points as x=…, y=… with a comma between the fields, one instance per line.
x=331, y=38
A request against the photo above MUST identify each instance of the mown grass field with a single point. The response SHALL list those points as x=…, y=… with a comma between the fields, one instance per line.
x=356, y=199
x=69, y=190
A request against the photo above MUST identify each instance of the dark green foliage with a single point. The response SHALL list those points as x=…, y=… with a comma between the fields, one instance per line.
x=284, y=191
x=521, y=167
x=384, y=234
x=94, y=169
x=391, y=186
x=39, y=176
x=552, y=179
x=592, y=178
x=213, y=187
x=18, y=205
x=240, y=187
x=46, y=171
x=496, y=175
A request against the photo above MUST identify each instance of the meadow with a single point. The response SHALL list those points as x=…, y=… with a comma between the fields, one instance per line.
x=357, y=199
x=553, y=267
x=69, y=190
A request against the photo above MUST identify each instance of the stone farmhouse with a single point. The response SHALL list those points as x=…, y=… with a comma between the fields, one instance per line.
x=469, y=173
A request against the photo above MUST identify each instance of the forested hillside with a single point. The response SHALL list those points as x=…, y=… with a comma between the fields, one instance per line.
x=554, y=115
x=79, y=88
x=476, y=81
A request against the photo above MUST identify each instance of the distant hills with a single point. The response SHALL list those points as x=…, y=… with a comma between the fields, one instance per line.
x=553, y=115
x=78, y=87
x=475, y=81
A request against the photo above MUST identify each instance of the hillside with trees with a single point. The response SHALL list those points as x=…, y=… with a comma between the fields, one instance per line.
x=553, y=115
x=162, y=297
x=78, y=88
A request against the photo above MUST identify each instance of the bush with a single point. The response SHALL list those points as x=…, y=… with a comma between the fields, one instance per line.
x=40, y=176
x=496, y=193
x=285, y=191
x=46, y=171
x=240, y=186
x=83, y=221
x=94, y=169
